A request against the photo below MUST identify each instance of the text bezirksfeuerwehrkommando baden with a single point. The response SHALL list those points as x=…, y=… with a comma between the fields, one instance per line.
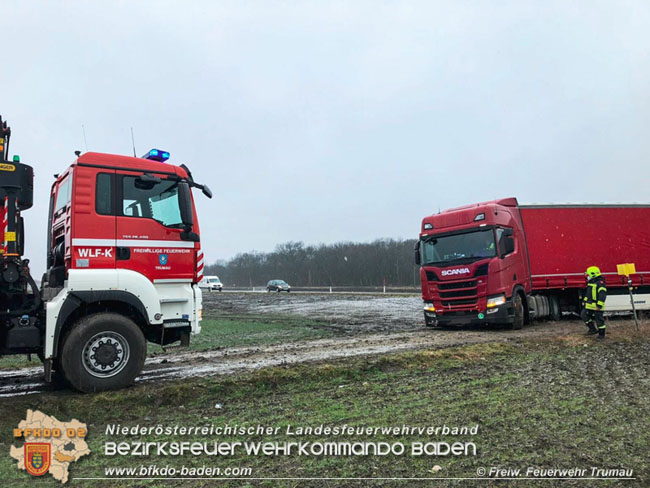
x=324, y=445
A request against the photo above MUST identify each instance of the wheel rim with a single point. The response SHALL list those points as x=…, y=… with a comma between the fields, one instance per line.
x=105, y=354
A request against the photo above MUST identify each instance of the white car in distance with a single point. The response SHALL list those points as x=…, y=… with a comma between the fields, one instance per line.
x=211, y=283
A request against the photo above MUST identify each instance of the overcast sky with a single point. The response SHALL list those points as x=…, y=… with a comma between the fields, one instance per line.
x=328, y=121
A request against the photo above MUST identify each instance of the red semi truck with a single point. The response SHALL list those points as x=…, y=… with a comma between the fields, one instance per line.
x=501, y=262
x=124, y=260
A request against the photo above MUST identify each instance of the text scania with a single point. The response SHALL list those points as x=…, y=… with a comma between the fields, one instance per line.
x=449, y=272
x=289, y=448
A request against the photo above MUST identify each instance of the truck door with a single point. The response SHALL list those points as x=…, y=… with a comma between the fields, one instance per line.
x=93, y=211
x=149, y=229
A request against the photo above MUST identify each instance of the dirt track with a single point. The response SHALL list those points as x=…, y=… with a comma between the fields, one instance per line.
x=367, y=323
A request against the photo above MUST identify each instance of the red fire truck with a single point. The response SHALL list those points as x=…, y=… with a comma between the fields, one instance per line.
x=501, y=262
x=123, y=264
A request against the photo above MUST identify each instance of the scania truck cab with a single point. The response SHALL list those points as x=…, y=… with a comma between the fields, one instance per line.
x=124, y=261
x=457, y=251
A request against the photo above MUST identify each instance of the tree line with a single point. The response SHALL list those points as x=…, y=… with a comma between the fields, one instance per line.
x=340, y=264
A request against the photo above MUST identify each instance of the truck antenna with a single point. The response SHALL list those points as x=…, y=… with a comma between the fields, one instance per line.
x=133, y=141
x=84, y=131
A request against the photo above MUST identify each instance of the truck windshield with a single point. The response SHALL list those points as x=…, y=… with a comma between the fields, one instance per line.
x=458, y=248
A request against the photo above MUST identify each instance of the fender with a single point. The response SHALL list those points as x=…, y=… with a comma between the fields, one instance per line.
x=76, y=298
x=516, y=288
x=122, y=285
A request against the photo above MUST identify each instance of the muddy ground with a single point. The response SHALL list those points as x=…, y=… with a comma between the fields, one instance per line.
x=349, y=312
x=365, y=325
x=352, y=313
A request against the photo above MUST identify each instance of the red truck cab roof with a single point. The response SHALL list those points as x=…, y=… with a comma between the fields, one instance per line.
x=116, y=161
x=495, y=212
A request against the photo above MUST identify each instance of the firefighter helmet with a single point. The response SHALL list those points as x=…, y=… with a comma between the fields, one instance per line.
x=593, y=271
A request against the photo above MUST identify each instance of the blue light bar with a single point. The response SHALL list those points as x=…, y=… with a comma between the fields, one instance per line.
x=157, y=155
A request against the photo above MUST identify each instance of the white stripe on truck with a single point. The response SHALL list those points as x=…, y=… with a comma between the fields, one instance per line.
x=130, y=243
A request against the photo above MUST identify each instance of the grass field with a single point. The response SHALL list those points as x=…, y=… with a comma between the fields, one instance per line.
x=254, y=330
x=555, y=403
x=246, y=330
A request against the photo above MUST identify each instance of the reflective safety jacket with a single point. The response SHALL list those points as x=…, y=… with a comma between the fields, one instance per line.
x=596, y=294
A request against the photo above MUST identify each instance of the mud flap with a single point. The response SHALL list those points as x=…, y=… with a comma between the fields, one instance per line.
x=185, y=338
x=47, y=369
x=171, y=335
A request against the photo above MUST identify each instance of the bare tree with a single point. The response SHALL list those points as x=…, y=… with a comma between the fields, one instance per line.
x=339, y=264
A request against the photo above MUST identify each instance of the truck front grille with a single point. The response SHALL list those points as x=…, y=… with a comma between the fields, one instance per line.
x=455, y=303
x=460, y=293
x=455, y=286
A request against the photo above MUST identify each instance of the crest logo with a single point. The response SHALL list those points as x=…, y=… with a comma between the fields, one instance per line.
x=50, y=446
x=37, y=458
x=162, y=259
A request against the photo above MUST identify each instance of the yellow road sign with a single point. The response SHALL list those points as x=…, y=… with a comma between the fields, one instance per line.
x=626, y=269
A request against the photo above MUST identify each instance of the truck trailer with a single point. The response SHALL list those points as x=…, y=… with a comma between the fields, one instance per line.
x=501, y=262
x=124, y=261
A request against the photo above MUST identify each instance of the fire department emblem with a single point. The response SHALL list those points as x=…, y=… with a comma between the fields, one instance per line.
x=50, y=446
x=37, y=458
x=162, y=259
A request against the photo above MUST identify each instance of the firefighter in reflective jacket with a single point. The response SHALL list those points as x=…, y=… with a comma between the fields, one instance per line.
x=594, y=302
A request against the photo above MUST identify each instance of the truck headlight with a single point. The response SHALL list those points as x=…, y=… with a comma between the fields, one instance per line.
x=496, y=301
x=428, y=307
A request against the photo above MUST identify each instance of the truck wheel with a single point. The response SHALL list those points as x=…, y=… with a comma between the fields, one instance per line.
x=518, y=305
x=554, y=306
x=103, y=351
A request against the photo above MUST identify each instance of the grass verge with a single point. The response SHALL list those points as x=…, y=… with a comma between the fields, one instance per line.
x=551, y=404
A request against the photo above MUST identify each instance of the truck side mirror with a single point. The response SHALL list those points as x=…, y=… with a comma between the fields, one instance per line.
x=418, y=260
x=187, y=212
x=185, y=204
x=506, y=242
x=206, y=191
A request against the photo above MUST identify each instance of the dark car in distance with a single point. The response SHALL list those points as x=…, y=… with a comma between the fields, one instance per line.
x=278, y=285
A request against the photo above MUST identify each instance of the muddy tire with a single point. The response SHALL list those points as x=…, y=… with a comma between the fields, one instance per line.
x=520, y=313
x=554, y=308
x=103, y=351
